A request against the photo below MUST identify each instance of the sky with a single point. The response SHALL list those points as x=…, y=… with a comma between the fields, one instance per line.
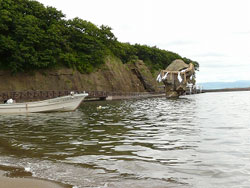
x=215, y=33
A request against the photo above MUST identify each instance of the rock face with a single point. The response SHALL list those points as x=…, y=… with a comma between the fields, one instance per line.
x=112, y=76
x=176, y=77
x=144, y=75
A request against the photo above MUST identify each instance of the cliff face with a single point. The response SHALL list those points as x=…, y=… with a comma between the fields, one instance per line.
x=112, y=76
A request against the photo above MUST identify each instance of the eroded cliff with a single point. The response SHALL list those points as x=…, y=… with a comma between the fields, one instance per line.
x=112, y=76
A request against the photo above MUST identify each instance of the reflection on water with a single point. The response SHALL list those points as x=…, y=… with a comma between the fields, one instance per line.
x=195, y=141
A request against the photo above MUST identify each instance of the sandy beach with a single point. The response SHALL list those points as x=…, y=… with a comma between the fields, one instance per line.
x=6, y=182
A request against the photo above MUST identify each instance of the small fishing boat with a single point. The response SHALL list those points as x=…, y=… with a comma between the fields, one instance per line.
x=60, y=104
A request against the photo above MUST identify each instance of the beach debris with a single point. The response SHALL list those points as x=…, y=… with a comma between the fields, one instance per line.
x=99, y=107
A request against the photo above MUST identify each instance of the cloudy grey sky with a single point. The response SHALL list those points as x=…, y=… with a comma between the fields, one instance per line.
x=216, y=33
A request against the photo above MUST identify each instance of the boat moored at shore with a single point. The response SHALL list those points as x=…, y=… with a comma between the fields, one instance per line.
x=59, y=104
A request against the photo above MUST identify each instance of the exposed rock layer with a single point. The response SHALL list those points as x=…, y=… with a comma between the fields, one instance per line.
x=112, y=76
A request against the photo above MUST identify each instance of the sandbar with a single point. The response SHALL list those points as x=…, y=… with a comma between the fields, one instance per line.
x=6, y=182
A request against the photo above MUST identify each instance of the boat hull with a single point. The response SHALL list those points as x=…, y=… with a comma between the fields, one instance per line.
x=59, y=104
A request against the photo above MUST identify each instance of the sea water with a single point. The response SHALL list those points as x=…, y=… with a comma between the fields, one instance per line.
x=198, y=141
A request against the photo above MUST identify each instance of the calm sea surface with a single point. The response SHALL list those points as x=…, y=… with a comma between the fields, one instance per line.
x=195, y=141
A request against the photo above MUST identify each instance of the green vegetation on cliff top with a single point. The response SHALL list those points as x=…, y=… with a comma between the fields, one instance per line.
x=33, y=36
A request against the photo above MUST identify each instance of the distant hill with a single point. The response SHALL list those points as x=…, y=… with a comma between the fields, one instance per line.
x=224, y=85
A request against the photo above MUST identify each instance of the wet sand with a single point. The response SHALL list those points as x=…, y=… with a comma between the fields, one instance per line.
x=6, y=182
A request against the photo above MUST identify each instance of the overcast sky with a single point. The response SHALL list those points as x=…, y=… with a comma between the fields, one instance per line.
x=216, y=33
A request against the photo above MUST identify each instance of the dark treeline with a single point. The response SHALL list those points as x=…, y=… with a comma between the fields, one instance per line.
x=33, y=36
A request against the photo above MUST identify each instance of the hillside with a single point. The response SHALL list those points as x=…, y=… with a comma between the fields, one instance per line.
x=35, y=37
x=112, y=76
x=41, y=50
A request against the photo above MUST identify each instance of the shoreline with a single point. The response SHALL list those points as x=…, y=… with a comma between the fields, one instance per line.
x=11, y=177
x=28, y=96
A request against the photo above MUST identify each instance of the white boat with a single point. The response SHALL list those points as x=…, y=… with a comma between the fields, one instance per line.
x=59, y=104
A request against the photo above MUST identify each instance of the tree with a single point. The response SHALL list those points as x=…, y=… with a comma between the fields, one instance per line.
x=36, y=37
